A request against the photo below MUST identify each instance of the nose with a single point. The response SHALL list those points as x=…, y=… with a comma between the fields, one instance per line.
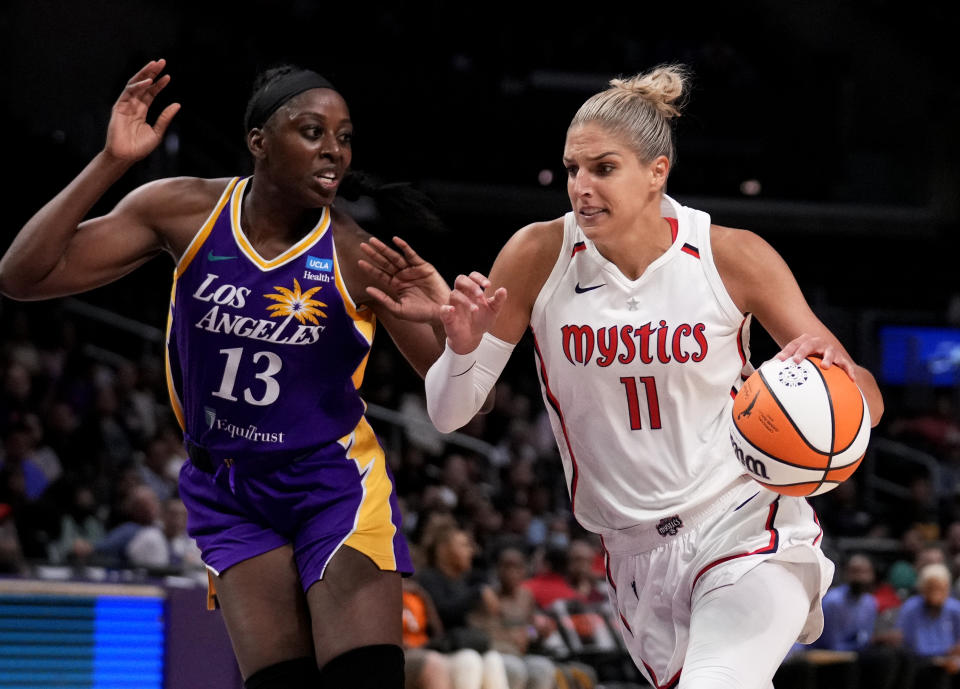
x=580, y=186
x=330, y=146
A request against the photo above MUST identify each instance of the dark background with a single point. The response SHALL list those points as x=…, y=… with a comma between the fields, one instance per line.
x=845, y=113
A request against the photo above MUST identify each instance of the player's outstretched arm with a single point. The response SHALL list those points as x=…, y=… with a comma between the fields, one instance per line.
x=761, y=283
x=484, y=320
x=55, y=253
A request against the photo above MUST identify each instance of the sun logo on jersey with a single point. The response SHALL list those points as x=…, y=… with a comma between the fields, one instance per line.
x=296, y=304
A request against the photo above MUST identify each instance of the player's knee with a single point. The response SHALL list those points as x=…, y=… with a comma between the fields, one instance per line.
x=298, y=673
x=368, y=667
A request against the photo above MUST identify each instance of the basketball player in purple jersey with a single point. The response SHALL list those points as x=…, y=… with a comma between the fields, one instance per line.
x=640, y=311
x=288, y=492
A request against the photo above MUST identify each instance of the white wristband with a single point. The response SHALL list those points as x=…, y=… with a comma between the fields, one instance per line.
x=458, y=384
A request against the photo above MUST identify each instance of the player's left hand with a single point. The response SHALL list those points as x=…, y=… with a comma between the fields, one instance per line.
x=412, y=288
x=831, y=352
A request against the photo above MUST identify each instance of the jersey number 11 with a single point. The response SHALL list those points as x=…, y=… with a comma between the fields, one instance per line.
x=633, y=401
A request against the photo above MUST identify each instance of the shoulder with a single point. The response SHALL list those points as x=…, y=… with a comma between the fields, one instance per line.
x=539, y=241
x=736, y=250
x=346, y=231
x=178, y=195
x=175, y=207
x=912, y=604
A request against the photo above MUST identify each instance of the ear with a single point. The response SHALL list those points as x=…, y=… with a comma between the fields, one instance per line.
x=659, y=169
x=256, y=144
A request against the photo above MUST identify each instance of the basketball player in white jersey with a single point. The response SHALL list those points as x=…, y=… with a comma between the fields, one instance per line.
x=640, y=311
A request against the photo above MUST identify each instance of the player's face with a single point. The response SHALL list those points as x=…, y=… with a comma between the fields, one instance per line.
x=308, y=146
x=607, y=184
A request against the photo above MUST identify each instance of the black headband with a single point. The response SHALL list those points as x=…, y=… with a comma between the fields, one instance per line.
x=272, y=95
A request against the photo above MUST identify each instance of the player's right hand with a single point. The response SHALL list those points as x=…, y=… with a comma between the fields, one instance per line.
x=129, y=136
x=470, y=313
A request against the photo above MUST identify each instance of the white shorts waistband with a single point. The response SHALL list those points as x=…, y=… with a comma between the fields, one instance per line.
x=647, y=536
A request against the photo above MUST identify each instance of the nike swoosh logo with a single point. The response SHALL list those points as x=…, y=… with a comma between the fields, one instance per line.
x=580, y=290
x=213, y=257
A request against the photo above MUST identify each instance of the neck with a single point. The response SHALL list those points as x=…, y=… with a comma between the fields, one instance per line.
x=634, y=246
x=268, y=213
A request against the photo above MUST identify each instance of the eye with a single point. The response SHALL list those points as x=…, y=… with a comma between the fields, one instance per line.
x=572, y=170
x=605, y=168
x=312, y=132
x=346, y=138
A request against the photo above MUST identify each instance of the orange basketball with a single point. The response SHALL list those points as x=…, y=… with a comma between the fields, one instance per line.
x=799, y=429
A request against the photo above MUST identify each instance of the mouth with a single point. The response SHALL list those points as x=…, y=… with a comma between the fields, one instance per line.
x=590, y=212
x=328, y=179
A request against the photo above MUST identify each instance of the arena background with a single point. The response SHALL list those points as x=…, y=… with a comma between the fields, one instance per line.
x=829, y=128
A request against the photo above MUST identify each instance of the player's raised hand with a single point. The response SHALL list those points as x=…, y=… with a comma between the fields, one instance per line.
x=416, y=289
x=470, y=312
x=129, y=136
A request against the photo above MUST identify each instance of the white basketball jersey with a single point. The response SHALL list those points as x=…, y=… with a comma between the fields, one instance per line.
x=638, y=376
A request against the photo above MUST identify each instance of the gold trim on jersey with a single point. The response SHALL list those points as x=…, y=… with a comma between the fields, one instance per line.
x=373, y=529
x=363, y=318
x=201, y=236
x=290, y=254
x=171, y=388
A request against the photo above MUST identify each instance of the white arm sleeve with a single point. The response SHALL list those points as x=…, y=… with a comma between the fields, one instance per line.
x=458, y=384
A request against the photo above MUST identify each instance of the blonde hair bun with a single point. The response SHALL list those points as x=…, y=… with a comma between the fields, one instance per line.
x=664, y=87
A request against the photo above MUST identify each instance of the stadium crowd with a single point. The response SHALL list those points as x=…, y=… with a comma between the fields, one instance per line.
x=509, y=590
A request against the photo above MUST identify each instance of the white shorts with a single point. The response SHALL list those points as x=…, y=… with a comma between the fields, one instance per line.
x=657, y=572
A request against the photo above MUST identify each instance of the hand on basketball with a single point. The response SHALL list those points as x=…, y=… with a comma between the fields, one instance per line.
x=470, y=313
x=416, y=289
x=129, y=136
x=816, y=345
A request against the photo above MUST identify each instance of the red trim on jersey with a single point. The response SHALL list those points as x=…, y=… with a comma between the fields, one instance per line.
x=606, y=559
x=733, y=393
x=653, y=676
x=674, y=229
x=743, y=357
x=556, y=407
x=579, y=246
x=626, y=624
x=771, y=547
x=817, y=520
x=690, y=249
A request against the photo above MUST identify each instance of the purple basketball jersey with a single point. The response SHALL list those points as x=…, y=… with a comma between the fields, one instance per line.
x=264, y=356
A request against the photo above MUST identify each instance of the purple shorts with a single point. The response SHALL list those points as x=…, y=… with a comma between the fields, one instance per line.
x=341, y=494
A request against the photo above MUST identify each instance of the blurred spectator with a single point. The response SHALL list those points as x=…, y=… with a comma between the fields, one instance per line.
x=849, y=624
x=457, y=593
x=63, y=436
x=427, y=668
x=581, y=557
x=184, y=554
x=461, y=665
x=136, y=406
x=107, y=437
x=156, y=468
x=551, y=583
x=138, y=541
x=930, y=625
x=80, y=526
x=17, y=459
x=515, y=627
x=919, y=511
x=16, y=397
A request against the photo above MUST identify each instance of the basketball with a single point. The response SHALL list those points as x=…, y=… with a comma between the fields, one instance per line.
x=799, y=429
